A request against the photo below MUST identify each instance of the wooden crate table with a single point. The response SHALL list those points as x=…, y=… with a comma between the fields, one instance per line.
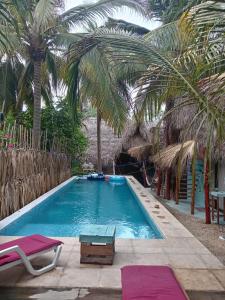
x=97, y=244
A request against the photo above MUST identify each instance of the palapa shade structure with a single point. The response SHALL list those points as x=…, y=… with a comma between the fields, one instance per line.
x=189, y=122
x=183, y=116
x=135, y=136
x=168, y=157
x=109, y=142
x=141, y=153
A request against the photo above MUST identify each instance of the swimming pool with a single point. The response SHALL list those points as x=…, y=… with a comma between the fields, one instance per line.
x=81, y=203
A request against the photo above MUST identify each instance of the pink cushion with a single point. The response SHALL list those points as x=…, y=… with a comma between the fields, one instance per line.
x=30, y=245
x=150, y=282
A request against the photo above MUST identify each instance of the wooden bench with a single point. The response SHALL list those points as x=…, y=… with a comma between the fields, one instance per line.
x=97, y=244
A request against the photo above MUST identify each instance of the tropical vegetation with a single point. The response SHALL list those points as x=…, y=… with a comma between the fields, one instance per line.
x=33, y=35
x=122, y=69
x=172, y=66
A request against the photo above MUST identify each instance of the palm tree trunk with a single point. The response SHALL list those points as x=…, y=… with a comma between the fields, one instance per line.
x=99, y=143
x=37, y=105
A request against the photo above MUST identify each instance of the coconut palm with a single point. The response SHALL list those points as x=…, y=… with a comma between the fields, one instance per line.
x=178, y=58
x=42, y=23
x=101, y=86
x=170, y=10
x=126, y=26
x=7, y=23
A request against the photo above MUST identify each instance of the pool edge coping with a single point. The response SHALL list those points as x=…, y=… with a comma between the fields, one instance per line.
x=174, y=234
x=22, y=211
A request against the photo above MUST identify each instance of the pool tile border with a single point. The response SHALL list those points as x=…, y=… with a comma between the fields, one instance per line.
x=179, y=249
x=5, y=222
x=169, y=226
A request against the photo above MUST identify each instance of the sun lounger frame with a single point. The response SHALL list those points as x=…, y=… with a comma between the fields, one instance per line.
x=26, y=259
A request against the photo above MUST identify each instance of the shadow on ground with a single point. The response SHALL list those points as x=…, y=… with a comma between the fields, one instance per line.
x=84, y=294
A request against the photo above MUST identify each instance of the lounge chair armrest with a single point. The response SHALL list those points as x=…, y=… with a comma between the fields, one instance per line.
x=16, y=249
x=27, y=263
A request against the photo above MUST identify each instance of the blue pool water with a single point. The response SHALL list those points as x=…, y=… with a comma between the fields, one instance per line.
x=81, y=203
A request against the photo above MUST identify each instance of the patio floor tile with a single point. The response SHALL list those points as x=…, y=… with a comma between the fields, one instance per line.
x=11, y=276
x=199, y=280
x=220, y=275
x=110, y=278
x=50, y=279
x=186, y=261
x=80, y=278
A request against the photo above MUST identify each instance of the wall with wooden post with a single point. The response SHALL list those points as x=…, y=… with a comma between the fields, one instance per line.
x=26, y=174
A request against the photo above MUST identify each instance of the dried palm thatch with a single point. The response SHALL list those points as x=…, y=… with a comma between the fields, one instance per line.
x=184, y=115
x=135, y=135
x=141, y=153
x=27, y=174
x=108, y=141
x=156, y=140
x=169, y=157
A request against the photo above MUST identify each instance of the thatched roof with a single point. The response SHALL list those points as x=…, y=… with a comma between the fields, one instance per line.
x=183, y=116
x=112, y=145
x=109, y=142
x=141, y=153
x=168, y=157
x=134, y=136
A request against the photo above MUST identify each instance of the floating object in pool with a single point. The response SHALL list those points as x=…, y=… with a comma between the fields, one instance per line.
x=96, y=176
x=107, y=178
x=84, y=177
x=114, y=183
x=117, y=179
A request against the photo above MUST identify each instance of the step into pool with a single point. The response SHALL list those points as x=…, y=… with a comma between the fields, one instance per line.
x=81, y=203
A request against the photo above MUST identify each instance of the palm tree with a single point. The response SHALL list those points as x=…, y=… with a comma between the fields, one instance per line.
x=42, y=23
x=126, y=26
x=170, y=10
x=5, y=18
x=100, y=85
x=177, y=57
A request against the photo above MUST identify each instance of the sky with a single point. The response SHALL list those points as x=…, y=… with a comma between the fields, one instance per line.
x=124, y=14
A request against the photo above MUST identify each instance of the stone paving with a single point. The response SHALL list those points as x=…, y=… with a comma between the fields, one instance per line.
x=85, y=294
x=196, y=268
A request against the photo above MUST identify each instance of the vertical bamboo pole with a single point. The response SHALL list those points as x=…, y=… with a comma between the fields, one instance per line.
x=193, y=188
x=31, y=138
x=168, y=184
x=206, y=188
x=159, y=183
x=99, y=144
x=114, y=169
x=177, y=189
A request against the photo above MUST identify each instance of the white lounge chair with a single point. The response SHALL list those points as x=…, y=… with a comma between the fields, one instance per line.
x=24, y=249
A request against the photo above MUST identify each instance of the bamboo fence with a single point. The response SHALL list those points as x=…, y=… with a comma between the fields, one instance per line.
x=25, y=173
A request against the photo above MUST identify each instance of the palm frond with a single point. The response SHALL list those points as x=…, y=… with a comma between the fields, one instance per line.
x=126, y=26
x=84, y=14
x=168, y=157
x=141, y=153
x=44, y=15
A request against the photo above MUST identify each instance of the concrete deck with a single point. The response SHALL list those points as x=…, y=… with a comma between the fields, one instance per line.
x=85, y=294
x=196, y=268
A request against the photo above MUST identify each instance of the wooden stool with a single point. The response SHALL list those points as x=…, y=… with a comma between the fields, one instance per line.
x=97, y=245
